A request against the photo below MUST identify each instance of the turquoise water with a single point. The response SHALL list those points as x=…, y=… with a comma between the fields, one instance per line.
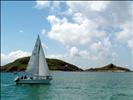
x=72, y=86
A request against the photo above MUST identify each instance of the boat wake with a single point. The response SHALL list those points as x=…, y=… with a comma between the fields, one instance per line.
x=5, y=85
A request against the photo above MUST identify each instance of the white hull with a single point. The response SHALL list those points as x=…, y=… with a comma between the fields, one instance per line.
x=37, y=81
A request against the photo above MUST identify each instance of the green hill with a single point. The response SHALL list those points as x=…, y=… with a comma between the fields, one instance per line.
x=109, y=68
x=54, y=64
x=59, y=65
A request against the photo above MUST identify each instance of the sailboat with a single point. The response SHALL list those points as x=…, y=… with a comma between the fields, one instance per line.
x=37, y=70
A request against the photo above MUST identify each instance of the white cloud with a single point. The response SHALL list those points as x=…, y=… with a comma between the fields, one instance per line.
x=106, y=56
x=53, y=6
x=42, y=4
x=57, y=56
x=102, y=51
x=78, y=6
x=87, y=5
x=126, y=35
x=107, y=14
x=94, y=25
x=123, y=20
x=114, y=56
x=73, y=33
x=84, y=54
x=6, y=58
x=96, y=46
x=87, y=27
x=102, y=10
x=82, y=58
x=122, y=11
x=93, y=10
x=130, y=43
x=79, y=18
x=98, y=5
x=74, y=52
x=87, y=16
x=44, y=46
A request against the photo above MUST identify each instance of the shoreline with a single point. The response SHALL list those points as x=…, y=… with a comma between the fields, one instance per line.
x=75, y=71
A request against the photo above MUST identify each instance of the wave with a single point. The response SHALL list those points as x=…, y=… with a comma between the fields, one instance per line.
x=7, y=84
x=120, y=96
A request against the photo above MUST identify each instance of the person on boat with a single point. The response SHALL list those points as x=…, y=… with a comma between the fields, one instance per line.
x=21, y=77
x=47, y=77
x=31, y=78
x=25, y=77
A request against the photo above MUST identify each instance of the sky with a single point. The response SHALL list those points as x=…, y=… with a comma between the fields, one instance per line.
x=84, y=33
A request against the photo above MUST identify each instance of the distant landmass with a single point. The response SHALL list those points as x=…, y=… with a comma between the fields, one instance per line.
x=59, y=65
x=54, y=64
x=109, y=68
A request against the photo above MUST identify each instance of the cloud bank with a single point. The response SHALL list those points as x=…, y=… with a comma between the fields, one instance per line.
x=92, y=28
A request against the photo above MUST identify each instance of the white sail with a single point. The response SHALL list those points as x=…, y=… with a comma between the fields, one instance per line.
x=43, y=67
x=37, y=64
x=32, y=67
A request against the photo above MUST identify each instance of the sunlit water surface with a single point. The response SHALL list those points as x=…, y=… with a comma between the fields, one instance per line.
x=72, y=86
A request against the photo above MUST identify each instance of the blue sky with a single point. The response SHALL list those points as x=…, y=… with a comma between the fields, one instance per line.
x=87, y=34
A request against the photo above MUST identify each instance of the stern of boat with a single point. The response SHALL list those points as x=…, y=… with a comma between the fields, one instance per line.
x=17, y=79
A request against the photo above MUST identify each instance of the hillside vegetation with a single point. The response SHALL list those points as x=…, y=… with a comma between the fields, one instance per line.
x=109, y=68
x=54, y=64
x=59, y=65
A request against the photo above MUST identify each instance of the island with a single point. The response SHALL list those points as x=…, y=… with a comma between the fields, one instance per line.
x=53, y=64
x=59, y=65
x=108, y=68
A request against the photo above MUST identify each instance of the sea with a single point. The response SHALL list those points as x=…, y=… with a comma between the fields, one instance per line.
x=72, y=86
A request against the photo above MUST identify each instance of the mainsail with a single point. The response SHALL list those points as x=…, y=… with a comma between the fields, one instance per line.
x=37, y=63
